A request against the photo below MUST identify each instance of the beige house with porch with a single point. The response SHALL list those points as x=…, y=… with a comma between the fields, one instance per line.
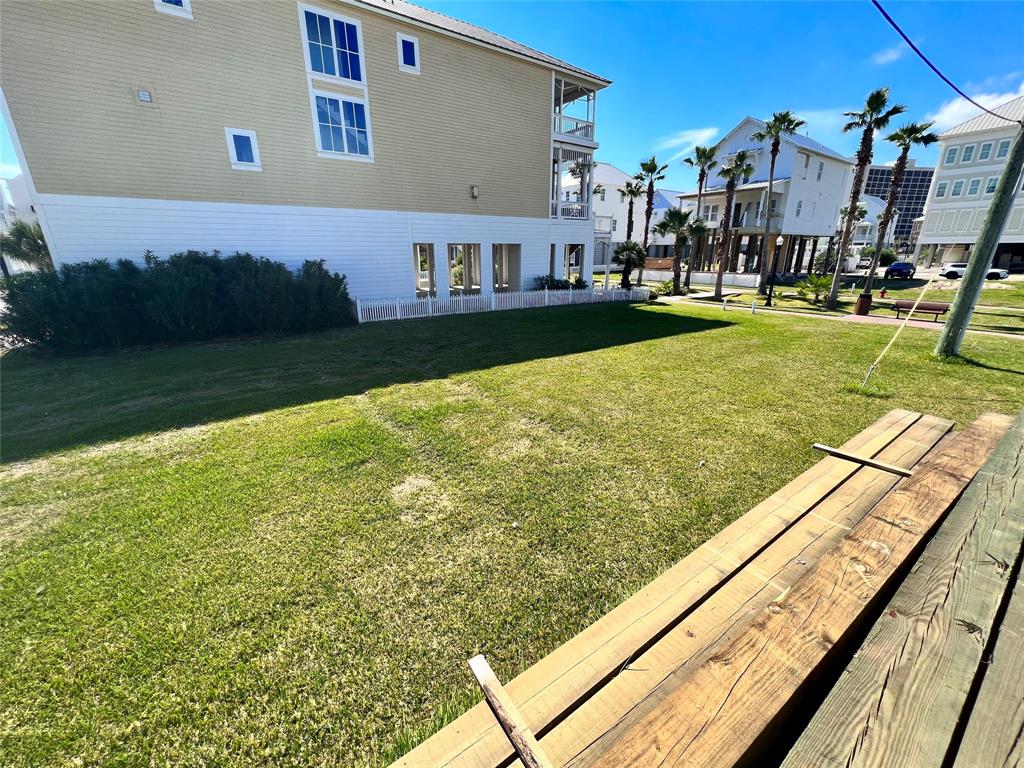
x=411, y=151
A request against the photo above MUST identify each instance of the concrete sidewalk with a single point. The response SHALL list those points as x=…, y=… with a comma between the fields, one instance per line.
x=927, y=325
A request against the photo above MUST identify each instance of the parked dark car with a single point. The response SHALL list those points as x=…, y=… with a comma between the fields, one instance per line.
x=900, y=270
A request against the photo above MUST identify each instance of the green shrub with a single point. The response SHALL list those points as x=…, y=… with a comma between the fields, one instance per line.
x=558, y=284
x=815, y=285
x=186, y=297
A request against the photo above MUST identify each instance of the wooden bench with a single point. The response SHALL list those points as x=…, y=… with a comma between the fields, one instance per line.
x=934, y=308
x=701, y=666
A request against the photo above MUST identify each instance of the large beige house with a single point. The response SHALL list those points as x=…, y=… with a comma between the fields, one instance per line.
x=414, y=152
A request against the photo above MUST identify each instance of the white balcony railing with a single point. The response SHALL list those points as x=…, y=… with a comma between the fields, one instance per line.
x=573, y=127
x=568, y=209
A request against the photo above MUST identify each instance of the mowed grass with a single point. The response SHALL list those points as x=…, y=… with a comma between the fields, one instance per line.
x=282, y=552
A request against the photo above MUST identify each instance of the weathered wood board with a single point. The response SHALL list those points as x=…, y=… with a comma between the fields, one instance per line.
x=712, y=714
x=904, y=692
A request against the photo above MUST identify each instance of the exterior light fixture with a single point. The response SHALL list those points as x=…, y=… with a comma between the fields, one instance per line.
x=474, y=191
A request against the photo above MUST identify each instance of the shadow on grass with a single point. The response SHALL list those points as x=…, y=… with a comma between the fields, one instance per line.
x=53, y=403
x=965, y=360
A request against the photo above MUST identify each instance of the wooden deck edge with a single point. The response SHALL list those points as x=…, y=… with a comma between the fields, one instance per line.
x=714, y=714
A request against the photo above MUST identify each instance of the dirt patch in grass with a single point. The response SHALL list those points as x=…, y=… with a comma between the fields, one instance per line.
x=420, y=500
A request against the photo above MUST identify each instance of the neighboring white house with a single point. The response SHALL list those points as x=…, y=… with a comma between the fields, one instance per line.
x=15, y=202
x=812, y=183
x=972, y=157
x=414, y=152
x=611, y=212
x=866, y=230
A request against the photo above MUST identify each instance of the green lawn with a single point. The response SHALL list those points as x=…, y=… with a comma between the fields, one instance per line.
x=283, y=551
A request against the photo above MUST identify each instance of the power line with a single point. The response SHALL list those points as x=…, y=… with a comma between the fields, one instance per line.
x=935, y=69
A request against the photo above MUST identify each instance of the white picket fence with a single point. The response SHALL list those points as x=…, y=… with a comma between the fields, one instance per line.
x=405, y=308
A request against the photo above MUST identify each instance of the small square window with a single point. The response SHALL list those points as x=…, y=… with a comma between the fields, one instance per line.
x=243, y=151
x=1003, y=150
x=408, y=54
x=990, y=185
x=968, y=154
x=958, y=188
x=182, y=8
x=974, y=186
x=985, y=152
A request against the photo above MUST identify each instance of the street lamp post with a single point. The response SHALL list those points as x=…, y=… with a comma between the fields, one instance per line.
x=771, y=278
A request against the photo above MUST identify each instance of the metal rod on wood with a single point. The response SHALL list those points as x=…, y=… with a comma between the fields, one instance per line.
x=508, y=716
x=866, y=461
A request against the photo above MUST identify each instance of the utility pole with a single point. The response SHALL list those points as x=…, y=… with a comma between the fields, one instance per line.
x=978, y=265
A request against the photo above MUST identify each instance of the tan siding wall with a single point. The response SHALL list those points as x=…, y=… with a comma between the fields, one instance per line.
x=473, y=117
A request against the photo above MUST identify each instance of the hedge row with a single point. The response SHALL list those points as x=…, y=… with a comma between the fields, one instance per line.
x=186, y=297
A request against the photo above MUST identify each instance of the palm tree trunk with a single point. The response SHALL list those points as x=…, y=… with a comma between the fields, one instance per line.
x=723, y=244
x=648, y=213
x=863, y=160
x=677, y=267
x=4, y=270
x=762, y=283
x=697, y=246
x=629, y=236
x=899, y=169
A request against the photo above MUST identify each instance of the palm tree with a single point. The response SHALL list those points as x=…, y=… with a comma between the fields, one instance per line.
x=874, y=117
x=677, y=223
x=629, y=254
x=781, y=124
x=736, y=168
x=24, y=242
x=704, y=159
x=910, y=135
x=650, y=172
x=631, y=191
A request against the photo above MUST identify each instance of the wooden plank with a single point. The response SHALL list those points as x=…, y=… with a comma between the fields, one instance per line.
x=713, y=714
x=994, y=732
x=505, y=712
x=559, y=681
x=903, y=694
x=867, y=462
x=764, y=579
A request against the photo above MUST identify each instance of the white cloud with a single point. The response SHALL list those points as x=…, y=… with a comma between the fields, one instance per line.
x=684, y=141
x=9, y=170
x=888, y=55
x=958, y=110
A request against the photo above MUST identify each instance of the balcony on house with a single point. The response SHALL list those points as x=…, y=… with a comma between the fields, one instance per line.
x=575, y=106
x=572, y=182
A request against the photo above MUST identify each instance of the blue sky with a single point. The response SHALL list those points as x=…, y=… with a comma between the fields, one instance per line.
x=687, y=72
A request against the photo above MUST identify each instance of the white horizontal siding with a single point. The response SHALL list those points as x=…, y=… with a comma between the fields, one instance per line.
x=372, y=248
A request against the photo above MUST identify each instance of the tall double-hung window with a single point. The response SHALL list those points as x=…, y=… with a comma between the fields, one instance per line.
x=333, y=46
x=341, y=125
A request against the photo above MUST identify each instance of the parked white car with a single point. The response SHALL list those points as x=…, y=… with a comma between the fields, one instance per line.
x=956, y=270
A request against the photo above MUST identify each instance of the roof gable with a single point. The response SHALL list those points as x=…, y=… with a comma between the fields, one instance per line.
x=1013, y=109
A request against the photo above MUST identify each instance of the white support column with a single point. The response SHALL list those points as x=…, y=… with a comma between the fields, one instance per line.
x=441, y=270
x=587, y=263
x=486, y=269
x=559, y=259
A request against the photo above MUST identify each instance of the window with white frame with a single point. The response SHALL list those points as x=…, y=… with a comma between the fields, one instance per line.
x=968, y=154
x=181, y=8
x=332, y=45
x=243, y=151
x=408, y=54
x=974, y=186
x=342, y=125
x=1003, y=149
x=615, y=224
x=985, y=151
x=940, y=189
x=990, y=185
x=951, y=155
x=602, y=195
x=958, y=188
x=799, y=207
x=821, y=169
